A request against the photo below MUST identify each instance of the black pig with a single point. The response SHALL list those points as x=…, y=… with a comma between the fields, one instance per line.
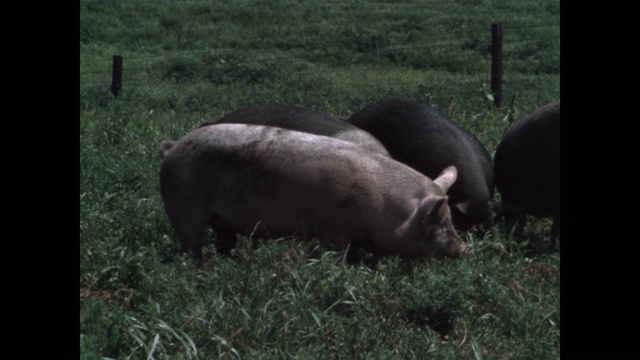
x=527, y=169
x=297, y=118
x=428, y=141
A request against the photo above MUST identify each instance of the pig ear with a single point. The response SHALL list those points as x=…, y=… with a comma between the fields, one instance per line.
x=446, y=178
x=463, y=207
x=435, y=209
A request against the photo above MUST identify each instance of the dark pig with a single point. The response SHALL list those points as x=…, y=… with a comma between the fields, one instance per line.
x=527, y=168
x=298, y=118
x=236, y=176
x=428, y=141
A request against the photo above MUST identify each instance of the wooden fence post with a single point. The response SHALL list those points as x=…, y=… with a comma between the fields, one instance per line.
x=116, y=79
x=496, y=63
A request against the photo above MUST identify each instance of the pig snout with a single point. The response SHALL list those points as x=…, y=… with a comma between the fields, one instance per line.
x=454, y=246
x=456, y=249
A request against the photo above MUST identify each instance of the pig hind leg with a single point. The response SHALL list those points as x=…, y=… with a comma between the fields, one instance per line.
x=225, y=235
x=190, y=225
x=191, y=233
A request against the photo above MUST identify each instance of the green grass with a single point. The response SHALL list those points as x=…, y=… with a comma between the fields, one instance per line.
x=186, y=62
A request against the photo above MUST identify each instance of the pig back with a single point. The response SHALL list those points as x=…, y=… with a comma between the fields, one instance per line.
x=301, y=119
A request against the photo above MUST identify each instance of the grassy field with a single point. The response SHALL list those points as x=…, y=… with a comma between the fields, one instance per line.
x=187, y=62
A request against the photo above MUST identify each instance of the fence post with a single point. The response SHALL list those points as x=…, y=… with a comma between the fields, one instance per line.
x=496, y=63
x=116, y=79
